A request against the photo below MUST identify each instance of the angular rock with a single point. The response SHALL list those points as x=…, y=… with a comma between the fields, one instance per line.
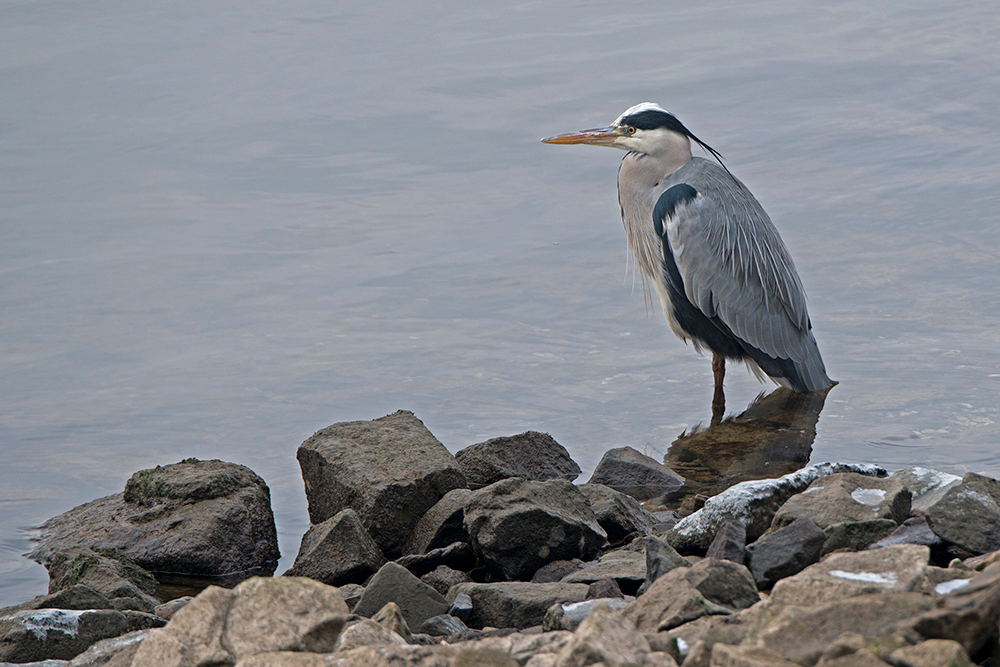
x=530, y=455
x=391, y=618
x=392, y=583
x=557, y=570
x=604, y=637
x=898, y=568
x=631, y=472
x=113, y=652
x=843, y=497
x=968, y=615
x=109, y=573
x=686, y=593
x=443, y=625
x=338, y=551
x=931, y=653
x=442, y=578
x=729, y=543
x=968, y=514
x=912, y=531
x=925, y=484
x=570, y=615
x=857, y=535
x=604, y=588
x=458, y=555
x=55, y=634
x=515, y=604
x=753, y=504
x=517, y=526
x=222, y=626
x=390, y=471
x=442, y=525
x=523, y=647
x=193, y=517
x=785, y=552
x=723, y=655
x=167, y=610
x=78, y=597
x=626, y=568
x=620, y=515
x=660, y=559
x=461, y=607
x=351, y=594
x=367, y=632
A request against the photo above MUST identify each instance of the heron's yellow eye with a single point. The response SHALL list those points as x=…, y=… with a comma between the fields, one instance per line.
x=630, y=129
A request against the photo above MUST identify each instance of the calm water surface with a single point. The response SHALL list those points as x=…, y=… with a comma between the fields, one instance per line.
x=226, y=226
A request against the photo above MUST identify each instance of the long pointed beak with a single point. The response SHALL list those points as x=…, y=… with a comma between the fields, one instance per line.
x=601, y=136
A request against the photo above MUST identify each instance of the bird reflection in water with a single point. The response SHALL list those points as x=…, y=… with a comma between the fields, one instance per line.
x=771, y=438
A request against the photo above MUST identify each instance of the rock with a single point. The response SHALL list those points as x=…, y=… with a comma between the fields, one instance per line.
x=138, y=620
x=620, y=515
x=892, y=569
x=194, y=517
x=442, y=525
x=686, y=593
x=968, y=514
x=785, y=552
x=442, y=578
x=167, y=610
x=927, y=486
x=523, y=647
x=752, y=503
x=391, y=618
x=912, y=531
x=351, y=594
x=604, y=588
x=109, y=573
x=660, y=559
x=530, y=455
x=968, y=615
x=417, y=601
x=604, y=637
x=570, y=615
x=517, y=526
x=367, y=632
x=113, y=652
x=557, y=570
x=626, y=568
x=723, y=655
x=844, y=497
x=394, y=655
x=857, y=535
x=515, y=604
x=931, y=653
x=443, y=625
x=337, y=551
x=458, y=555
x=941, y=580
x=633, y=473
x=461, y=607
x=390, y=471
x=261, y=615
x=78, y=597
x=729, y=543
x=55, y=634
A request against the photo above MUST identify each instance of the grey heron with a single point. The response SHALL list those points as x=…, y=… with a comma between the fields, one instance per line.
x=723, y=276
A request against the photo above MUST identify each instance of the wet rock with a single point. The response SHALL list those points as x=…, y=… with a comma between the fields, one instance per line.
x=626, y=568
x=604, y=588
x=931, y=653
x=729, y=543
x=109, y=573
x=442, y=525
x=517, y=526
x=443, y=625
x=968, y=615
x=391, y=618
x=926, y=485
x=55, y=634
x=193, y=517
x=112, y=652
x=844, y=497
x=367, y=632
x=785, y=552
x=389, y=470
x=570, y=615
x=857, y=535
x=633, y=473
x=442, y=578
x=261, y=615
x=530, y=455
x=893, y=569
x=417, y=601
x=78, y=597
x=620, y=515
x=459, y=556
x=968, y=514
x=605, y=637
x=660, y=559
x=337, y=551
x=686, y=593
x=557, y=570
x=515, y=604
x=753, y=504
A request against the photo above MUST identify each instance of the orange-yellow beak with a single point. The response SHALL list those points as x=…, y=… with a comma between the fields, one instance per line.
x=601, y=136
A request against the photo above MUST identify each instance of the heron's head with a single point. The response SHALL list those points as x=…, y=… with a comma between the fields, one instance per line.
x=645, y=128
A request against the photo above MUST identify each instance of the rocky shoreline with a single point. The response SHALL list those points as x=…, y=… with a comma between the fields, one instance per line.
x=495, y=557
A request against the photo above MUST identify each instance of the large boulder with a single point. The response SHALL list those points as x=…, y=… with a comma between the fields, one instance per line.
x=220, y=626
x=518, y=525
x=846, y=497
x=785, y=552
x=530, y=455
x=393, y=583
x=193, y=517
x=122, y=582
x=338, y=551
x=515, y=604
x=56, y=634
x=968, y=615
x=389, y=470
x=968, y=514
x=633, y=473
x=620, y=515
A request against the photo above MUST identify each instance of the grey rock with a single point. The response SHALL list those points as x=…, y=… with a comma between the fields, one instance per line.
x=530, y=455
x=442, y=578
x=56, y=634
x=110, y=573
x=351, y=594
x=620, y=515
x=167, y=610
x=626, y=568
x=515, y=604
x=338, y=551
x=459, y=556
x=557, y=570
x=367, y=632
x=633, y=473
x=389, y=470
x=193, y=517
x=912, y=531
x=931, y=653
x=139, y=620
x=856, y=535
x=604, y=588
x=461, y=607
x=661, y=558
x=968, y=514
x=925, y=484
x=442, y=525
x=443, y=625
x=785, y=552
x=604, y=637
x=568, y=616
x=417, y=601
x=113, y=652
x=844, y=497
x=752, y=503
x=967, y=615
x=391, y=618
x=78, y=597
x=729, y=543
x=517, y=525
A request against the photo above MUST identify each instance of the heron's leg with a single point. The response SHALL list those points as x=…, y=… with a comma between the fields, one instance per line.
x=718, y=396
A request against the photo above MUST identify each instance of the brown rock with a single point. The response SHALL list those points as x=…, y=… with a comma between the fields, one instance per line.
x=931, y=653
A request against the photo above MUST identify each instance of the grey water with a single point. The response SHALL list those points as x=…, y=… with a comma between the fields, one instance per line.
x=224, y=226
